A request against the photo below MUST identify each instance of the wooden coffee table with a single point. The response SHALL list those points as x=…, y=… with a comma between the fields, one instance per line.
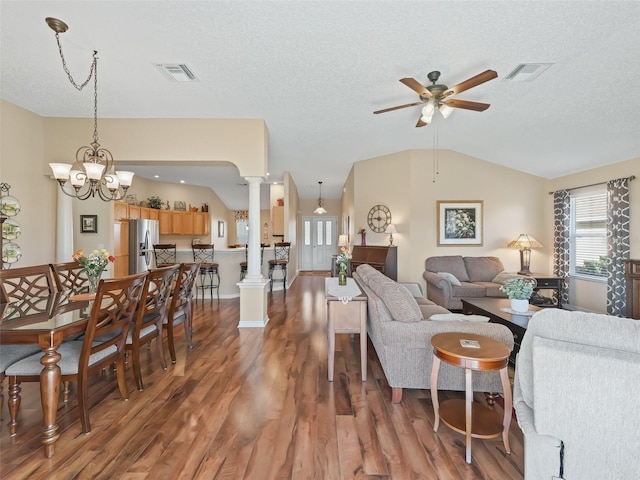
x=492, y=308
x=466, y=416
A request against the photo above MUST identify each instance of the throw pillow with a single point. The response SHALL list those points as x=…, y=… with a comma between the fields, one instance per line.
x=451, y=278
x=458, y=317
x=400, y=303
x=504, y=277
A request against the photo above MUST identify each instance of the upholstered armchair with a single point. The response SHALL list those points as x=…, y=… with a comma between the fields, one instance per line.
x=576, y=396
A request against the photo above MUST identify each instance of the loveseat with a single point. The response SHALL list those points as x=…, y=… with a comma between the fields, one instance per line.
x=576, y=396
x=454, y=277
x=400, y=326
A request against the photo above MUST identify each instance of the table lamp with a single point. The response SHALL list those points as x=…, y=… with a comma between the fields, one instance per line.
x=343, y=241
x=391, y=229
x=525, y=243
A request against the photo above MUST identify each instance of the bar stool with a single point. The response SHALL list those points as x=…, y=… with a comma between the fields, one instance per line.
x=165, y=254
x=203, y=254
x=243, y=265
x=279, y=262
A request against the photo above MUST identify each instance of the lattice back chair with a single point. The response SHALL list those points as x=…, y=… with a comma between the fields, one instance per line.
x=203, y=254
x=180, y=308
x=70, y=277
x=28, y=284
x=113, y=309
x=279, y=262
x=150, y=316
x=243, y=265
x=165, y=254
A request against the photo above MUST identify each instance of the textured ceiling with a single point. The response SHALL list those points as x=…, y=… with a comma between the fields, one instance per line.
x=315, y=72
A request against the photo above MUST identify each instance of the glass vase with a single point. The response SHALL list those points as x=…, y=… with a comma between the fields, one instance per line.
x=342, y=275
x=94, y=279
x=363, y=238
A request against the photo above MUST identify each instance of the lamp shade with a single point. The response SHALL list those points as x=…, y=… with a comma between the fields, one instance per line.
x=391, y=228
x=343, y=240
x=525, y=241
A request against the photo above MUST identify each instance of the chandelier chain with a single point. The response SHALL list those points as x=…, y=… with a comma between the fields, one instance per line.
x=94, y=66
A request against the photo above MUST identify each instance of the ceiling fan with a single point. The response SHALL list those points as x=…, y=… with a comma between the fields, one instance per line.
x=438, y=97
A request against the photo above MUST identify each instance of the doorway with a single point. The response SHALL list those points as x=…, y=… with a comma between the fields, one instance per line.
x=319, y=236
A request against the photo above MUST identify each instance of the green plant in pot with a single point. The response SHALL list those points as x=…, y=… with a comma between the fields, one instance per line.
x=519, y=291
x=154, y=202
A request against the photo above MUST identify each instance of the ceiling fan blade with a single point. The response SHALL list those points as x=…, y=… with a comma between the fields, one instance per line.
x=467, y=105
x=416, y=86
x=421, y=123
x=391, y=109
x=471, y=82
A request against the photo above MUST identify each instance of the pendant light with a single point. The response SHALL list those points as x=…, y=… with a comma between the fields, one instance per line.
x=320, y=210
x=93, y=172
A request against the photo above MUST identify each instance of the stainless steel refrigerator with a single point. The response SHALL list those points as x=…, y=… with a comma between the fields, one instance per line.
x=143, y=234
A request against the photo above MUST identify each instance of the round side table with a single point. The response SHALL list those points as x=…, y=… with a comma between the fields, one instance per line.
x=466, y=416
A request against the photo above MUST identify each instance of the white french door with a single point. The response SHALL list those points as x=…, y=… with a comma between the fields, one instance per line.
x=318, y=242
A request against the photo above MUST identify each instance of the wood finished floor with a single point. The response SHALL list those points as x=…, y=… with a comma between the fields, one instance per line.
x=255, y=404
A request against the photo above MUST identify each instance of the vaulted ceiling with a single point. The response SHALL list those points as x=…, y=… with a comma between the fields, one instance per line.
x=315, y=72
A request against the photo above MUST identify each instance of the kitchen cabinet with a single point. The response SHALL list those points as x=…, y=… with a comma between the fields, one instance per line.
x=121, y=247
x=134, y=212
x=154, y=213
x=182, y=223
x=165, y=222
x=120, y=211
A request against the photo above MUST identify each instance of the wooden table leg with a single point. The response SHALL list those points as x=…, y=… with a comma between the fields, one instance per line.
x=363, y=341
x=468, y=395
x=434, y=392
x=331, y=338
x=50, y=393
x=506, y=423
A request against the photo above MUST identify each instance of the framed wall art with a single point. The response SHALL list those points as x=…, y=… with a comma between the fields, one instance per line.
x=88, y=224
x=220, y=228
x=459, y=222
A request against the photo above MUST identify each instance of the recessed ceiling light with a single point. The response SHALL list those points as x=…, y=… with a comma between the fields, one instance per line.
x=181, y=181
x=156, y=176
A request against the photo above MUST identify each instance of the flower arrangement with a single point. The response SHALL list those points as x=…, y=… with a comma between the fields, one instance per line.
x=343, y=258
x=155, y=202
x=95, y=262
x=361, y=231
x=519, y=288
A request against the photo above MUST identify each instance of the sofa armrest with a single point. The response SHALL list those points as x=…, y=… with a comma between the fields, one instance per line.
x=439, y=289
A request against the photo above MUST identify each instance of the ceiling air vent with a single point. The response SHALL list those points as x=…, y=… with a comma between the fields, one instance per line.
x=176, y=72
x=526, y=72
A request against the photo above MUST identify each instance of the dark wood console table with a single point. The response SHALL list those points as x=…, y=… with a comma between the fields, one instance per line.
x=632, y=279
x=381, y=258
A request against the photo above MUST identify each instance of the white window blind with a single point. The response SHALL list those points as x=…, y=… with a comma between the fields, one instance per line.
x=589, y=234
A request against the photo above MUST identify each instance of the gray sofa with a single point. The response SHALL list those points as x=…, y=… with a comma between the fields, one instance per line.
x=400, y=331
x=454, y=277
x=576, y=396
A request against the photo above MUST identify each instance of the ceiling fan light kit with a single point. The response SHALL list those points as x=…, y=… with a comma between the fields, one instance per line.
x=439, y=96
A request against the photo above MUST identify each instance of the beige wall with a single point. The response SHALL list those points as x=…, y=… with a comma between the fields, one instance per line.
x=405, y=183
x=291, y=209
x=21, y=155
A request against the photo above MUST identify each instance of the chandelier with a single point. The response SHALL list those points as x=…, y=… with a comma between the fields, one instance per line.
x=93, y=172
x=320, y=210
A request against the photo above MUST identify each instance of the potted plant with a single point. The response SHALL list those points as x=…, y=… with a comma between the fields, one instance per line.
x=519, y=291
x=154, y=202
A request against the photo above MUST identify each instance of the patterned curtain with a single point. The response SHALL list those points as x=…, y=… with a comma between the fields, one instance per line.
x=617, y=244
x=561, y=228
x=241, y=215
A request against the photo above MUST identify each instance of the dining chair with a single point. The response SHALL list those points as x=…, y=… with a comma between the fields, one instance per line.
x=203, y=253
x=165, y=254
x=180, y=308
x=112, y=311
x=70, y=277
x=243, y=265
x=150, y=316
x=26, y=283
x=279, y=262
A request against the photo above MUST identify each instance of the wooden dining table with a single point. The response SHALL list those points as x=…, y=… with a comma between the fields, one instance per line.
x=46, y=322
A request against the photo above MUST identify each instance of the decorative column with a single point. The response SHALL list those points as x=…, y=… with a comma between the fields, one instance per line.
x=64, y=227
x=253, y=289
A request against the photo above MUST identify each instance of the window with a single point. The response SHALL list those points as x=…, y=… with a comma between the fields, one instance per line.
x=242, y=227
x=589, y=233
